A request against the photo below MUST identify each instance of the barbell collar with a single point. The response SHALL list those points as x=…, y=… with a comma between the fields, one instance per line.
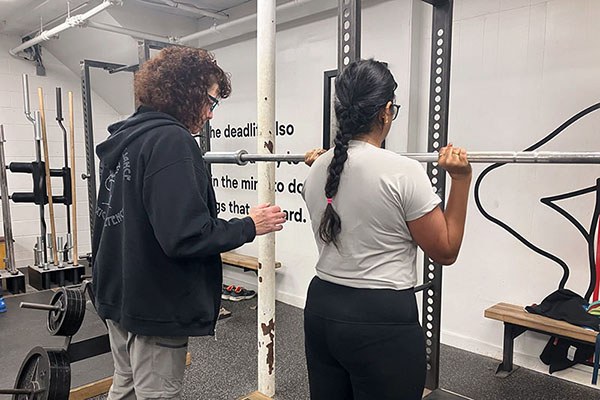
x=226, y=157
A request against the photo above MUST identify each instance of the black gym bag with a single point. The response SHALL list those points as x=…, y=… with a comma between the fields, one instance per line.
x=561, y=353
x=566, y=305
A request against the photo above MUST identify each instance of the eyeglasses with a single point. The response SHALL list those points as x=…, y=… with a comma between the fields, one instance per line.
x=215, y=102
x=395, y=111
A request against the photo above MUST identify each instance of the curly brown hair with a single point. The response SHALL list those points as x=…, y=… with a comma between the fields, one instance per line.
x=177, y=81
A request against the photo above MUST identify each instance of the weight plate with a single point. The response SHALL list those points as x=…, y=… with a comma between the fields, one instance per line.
x=47, y=373
x=68, y=319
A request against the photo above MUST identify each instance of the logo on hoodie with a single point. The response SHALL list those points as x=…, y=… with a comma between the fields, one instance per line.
x=107, y=203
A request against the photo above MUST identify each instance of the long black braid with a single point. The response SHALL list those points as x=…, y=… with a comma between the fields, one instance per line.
x=362, y=90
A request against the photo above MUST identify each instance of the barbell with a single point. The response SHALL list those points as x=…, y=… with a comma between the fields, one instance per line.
x=66, y=311
x=241, y=157
x=44, y=375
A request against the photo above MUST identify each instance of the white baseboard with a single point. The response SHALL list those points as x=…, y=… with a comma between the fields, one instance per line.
x=291, y=299
x=580, y=374
x=248, y=280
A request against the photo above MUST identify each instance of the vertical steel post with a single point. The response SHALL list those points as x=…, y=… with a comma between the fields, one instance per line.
x=6, y=218
x=266, y=193
x=349, y=20
x=439, y=101
x=90, y=154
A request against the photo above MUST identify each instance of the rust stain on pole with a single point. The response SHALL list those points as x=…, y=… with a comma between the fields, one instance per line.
x=270, y=330
x=269, y=146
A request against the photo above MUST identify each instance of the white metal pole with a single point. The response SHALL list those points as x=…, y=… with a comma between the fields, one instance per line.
x=266, y=193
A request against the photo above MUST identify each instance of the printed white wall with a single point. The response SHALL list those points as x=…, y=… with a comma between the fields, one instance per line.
x=300, y=68
x=520, y=69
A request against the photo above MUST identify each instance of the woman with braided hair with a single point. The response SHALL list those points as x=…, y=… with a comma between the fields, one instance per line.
x=370, y=208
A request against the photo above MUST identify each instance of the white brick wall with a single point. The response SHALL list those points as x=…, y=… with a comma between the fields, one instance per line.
x=20, y=145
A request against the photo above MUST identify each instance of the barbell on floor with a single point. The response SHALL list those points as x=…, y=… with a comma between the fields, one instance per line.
x=241, y=157
x=45, y=374
x=66, y=311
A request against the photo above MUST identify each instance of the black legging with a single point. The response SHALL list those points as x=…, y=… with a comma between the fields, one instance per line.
x=363, y=344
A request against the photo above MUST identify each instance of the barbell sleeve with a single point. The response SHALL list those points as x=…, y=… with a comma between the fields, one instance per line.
x=225, y=157
x=519, y=157
x=17, y=391
x=38, y=306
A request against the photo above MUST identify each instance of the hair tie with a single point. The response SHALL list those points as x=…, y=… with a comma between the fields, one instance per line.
x=329, y=200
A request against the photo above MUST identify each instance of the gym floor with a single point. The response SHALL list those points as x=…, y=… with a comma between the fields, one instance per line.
x=23, y=329
x=225, y=368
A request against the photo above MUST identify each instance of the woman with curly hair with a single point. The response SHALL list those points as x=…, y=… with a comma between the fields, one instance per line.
x=370, y=208
x=157, y=239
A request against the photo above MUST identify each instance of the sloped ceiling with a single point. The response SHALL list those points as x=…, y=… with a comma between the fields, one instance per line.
x=20, y=17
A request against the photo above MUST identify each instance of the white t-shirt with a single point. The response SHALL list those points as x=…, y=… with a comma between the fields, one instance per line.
x=379, y=192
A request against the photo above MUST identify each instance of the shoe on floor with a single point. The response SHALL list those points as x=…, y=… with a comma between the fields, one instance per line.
x=238, y=293
x=2, y=305
x=225, y=292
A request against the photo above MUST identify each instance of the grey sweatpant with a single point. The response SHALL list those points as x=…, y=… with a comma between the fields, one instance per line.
x=146, y=367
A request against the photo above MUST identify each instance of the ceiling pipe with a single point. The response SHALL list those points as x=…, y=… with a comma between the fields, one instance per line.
x=133, y=33
x=191, y=9
x=286, y=12
x=219, y=29
x=169, y=4
x=70, y=22
x=59, y=18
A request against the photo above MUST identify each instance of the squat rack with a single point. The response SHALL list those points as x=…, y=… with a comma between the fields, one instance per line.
x=439, y=101
x=437, y=137
x=349, y=27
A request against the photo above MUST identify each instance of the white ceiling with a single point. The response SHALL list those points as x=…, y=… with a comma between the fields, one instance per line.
x=74, y=45
x=23, y=16
x=20, y=17
x=216, y=6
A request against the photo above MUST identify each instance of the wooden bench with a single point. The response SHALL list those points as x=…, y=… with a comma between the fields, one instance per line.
x=517, y=320
x=248, y=263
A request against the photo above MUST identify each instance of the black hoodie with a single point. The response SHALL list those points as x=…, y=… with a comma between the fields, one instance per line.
x=157, y=239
